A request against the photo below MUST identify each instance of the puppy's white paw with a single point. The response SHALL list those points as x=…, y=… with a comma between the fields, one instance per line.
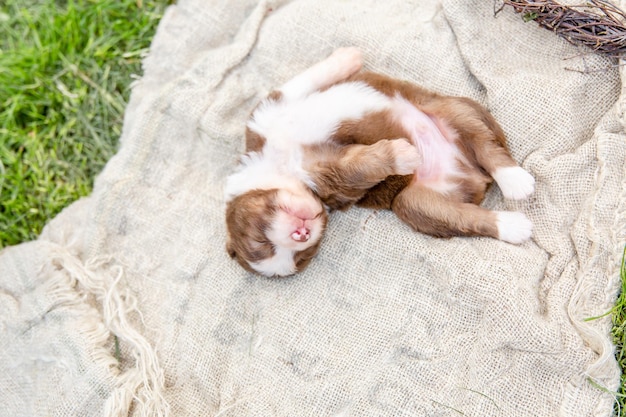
x=513, y=226
x=348, y=59
x=406, y=157
x=515, y=182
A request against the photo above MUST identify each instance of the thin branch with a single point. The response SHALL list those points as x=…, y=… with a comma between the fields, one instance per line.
x=597, y=24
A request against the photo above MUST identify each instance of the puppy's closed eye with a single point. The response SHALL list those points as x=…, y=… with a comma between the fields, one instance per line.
x=257, y=250
x=257, y=244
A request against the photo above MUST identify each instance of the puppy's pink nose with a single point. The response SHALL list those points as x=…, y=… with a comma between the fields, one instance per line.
x=301, y=235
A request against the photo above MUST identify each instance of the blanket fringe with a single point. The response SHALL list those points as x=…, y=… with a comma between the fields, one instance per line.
x=143, y=383
x=604, y=369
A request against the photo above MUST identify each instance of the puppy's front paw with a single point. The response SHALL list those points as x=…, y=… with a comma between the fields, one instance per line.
x=513, y=226
x=348, y=59
x=406, y=157
x=514, y=182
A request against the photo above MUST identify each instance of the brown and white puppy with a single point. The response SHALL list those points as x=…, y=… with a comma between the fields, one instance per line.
x=332, y=137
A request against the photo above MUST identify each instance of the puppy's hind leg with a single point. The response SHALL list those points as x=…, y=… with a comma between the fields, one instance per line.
x=429, y=212
x=337, y=67
x=478, y=127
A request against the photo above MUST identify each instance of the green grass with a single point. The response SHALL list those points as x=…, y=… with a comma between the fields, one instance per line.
x=619, y=338
x=65, y=70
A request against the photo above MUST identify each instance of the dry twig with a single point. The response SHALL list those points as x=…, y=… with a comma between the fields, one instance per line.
x=598, y=24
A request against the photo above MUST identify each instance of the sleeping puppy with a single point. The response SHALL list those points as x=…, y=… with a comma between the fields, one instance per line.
x=333, y=137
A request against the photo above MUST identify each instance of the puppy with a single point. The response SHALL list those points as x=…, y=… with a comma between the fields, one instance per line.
x=333, y=137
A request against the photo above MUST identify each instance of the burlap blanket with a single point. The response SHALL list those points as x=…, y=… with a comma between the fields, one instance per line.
x=129, y=305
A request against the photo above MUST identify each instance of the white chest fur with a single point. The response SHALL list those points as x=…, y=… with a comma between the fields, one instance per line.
x=289, y=125
x=314, y=118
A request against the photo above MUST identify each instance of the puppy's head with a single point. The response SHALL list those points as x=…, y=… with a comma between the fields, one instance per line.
x=275, y=232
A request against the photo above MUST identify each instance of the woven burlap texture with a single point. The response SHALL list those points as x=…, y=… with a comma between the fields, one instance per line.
x=128, y=304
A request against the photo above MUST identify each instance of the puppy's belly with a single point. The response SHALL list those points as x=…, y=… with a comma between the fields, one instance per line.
x=436, y=143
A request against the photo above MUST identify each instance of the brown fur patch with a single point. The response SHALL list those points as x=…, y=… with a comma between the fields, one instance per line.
x=368, y=130
x=254, y=141
x=248, y=217
x=429, y=212
x=303, y=258
x=382, y=195
x=275, y=95
x=344, y=174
